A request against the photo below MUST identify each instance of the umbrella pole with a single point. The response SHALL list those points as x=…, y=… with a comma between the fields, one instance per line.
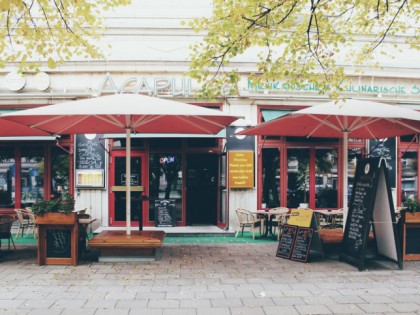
x=128, y=179
x=345, y=171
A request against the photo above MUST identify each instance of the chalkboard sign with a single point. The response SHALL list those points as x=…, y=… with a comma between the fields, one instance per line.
x=287, y=239
x=371, y=202
x=58, y=243
x=165, y=212
x=89, y=161
x=412, y=241
x=302, y=244
x=386, y=148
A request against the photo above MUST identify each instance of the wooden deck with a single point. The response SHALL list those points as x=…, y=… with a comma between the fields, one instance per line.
x=117, y=244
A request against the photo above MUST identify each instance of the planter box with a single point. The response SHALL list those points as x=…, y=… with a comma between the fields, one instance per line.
x=412, y=217
x=56, y=218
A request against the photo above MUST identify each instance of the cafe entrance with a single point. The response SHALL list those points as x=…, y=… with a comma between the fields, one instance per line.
x=202, y=189
x=117, y=189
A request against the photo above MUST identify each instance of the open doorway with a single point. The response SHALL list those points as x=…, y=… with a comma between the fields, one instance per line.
x=202, y=187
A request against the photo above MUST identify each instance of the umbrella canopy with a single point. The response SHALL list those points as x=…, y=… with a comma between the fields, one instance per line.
x=122, y=113
x=13, y=129
x=343, y=119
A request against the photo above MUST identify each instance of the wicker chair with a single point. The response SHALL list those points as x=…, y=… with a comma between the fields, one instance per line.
x=248, y=220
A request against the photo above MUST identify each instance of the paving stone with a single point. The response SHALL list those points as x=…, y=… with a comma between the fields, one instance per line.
x=345, y=309
x=375, y=308
x=406, y=307
x=313, y=309
x=277, y=310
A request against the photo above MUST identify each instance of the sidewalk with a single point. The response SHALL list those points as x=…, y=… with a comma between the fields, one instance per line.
x=207, y=279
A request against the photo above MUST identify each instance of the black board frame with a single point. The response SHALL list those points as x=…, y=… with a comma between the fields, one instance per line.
x=308, y=240
x=285, y=229
x=83, y=144
x=315, y=242
x=354, y=250
x=171, y=212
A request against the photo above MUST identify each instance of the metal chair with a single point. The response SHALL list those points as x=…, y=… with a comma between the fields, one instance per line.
x=6, y=223
x=248, y=220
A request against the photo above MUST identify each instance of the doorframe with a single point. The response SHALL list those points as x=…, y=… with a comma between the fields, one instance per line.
x=145, y=183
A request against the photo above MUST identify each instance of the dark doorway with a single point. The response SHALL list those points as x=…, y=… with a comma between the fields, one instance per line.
x=202, y=180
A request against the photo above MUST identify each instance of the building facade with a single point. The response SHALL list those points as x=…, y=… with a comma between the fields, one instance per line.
x=204, y=178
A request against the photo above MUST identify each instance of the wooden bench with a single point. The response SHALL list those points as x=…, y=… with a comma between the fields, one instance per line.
x=118, y=246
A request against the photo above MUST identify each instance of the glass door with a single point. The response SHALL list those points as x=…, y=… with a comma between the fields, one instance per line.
x=117, y=200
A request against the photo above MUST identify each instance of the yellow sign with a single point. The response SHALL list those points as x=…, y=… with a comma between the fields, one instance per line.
x=241, y=169
x=300, y=217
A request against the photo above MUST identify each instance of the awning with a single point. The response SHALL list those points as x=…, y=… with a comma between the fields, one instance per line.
x=270, y=114
x=221, y=134
x=24, y=138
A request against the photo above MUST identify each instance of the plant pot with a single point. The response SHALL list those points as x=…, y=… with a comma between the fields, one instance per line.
x=412, y=217
x=56, y=218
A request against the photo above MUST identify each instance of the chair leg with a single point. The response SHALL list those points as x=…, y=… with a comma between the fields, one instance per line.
x=11, y=239
x=18, y=231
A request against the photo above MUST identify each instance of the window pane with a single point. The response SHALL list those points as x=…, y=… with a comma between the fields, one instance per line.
x=7, y=178
x=59, y=172
x=297, y=177
x=326, y=178
x=409, y=176
x=32, y=176
x=165, y=181
x=271, y=177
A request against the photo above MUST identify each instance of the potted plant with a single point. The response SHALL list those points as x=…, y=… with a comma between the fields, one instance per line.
x=55, y=211
x=412, y=207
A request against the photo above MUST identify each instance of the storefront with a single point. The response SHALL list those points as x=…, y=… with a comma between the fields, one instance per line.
x=148, y=56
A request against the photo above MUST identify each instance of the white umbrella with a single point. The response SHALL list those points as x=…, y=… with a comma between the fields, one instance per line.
x=123, y=112
x=343, y=119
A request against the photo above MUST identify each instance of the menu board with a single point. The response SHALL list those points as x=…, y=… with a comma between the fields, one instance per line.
x=241, y=169
x=360, y=210
x=302, y=244
x=165, y=212
x=58, y=243
x=287, y=239
x=89, y=161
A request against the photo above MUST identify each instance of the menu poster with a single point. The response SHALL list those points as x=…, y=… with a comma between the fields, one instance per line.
x=89, y=161
x=165, y=212
x=287, y=239
x=302, y=244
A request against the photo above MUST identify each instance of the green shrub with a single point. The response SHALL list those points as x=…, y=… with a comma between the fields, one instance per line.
x=62, y=205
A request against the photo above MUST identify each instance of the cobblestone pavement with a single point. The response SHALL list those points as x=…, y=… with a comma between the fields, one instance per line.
x=207, y=279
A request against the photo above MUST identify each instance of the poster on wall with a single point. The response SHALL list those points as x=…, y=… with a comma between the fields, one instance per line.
x=241, y=169
x=89, y=161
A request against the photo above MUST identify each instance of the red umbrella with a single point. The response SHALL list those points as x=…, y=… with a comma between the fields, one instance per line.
x=343, y=119
x=123, y=112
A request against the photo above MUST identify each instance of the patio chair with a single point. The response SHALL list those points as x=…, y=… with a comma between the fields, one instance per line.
x=248, y=220
x=281, y=219
x=24, y=222
x=6, y=223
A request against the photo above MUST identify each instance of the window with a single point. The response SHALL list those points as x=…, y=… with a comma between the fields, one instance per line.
x=270, y=177
x=7, y=178
x=326, y=178
x=59, y=172
x=297, y=177
x=31, y=176
x=165, y=181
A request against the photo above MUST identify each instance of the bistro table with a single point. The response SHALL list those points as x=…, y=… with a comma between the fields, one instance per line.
x=269, y=215
x=330, y=218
